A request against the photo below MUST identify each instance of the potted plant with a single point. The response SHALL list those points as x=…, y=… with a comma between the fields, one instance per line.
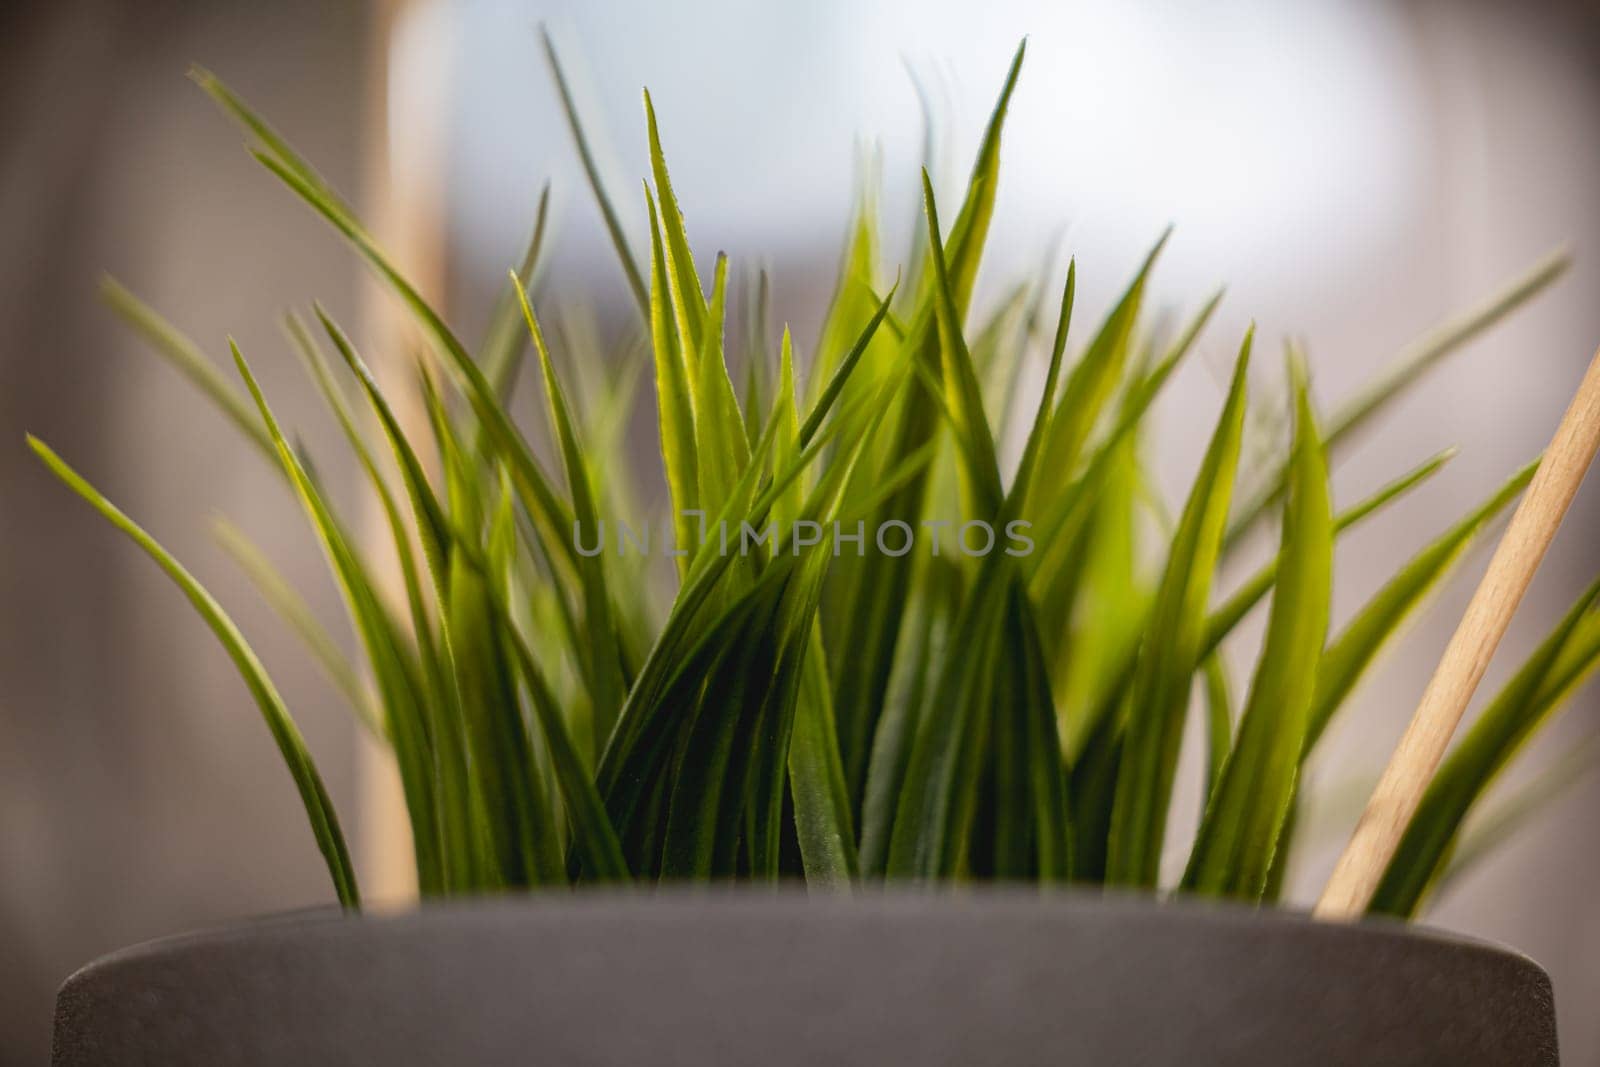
x=894, y=662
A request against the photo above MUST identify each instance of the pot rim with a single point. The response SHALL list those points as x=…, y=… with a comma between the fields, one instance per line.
x=685, y=902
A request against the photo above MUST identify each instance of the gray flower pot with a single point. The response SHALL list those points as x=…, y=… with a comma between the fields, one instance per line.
x=776, y=978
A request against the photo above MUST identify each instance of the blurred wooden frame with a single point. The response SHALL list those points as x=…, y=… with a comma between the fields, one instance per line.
x=404, y=204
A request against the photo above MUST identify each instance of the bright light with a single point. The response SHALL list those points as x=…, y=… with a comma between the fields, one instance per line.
x=1266, y=131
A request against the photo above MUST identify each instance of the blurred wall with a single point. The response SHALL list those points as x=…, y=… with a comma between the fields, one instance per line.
x=140, y=794
x=1403, y=161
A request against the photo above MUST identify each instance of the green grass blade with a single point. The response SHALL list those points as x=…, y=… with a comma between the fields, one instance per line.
x=602, y=649
x=319, y=808
x=432, y=526
x=755, y=393
x=1039, y=430
x=1424, y=354
x=940, y=794
x=235, y=108
x=688, y=299
x=1482, y=837
x=971, y=227
x=721, y=447
x=759, y=357
x=854, y=296
x=937, y=592
x=773, y=732
x=786, y=445
x=869, y=594
x=1094, y=379
x=1170, y=654
x=509, y=810
x=657, y=724
x=539, y=498
x=1092, y=778
x=322, y=375
x=504, y=342
x=1239, y=604
x=278, y=157
x=816, y=780
x=985, y=792
x=1406, y=370
x=594, y=838
x=598, y=849
x=684, y=625
x=732, y=739
x=1059, y=517
x=184, y=355
x=1560, y=662
x=843, y=373
x=1097, y=604
x=427, y=800
x=1241, y=829
x=1042, y=824
x=608, y=212
x=960, y=378
x=674, y=397
x=297, y=614
x=521, y=830
x=436, y=697
x=1219, y=720
x=1349, y=654
x=688, y=644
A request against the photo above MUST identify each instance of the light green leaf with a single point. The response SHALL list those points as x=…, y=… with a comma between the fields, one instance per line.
x=721, y=447
x=504, y=342
x=292, y=608
x=688, y=299
x=1402, y=375
x=1170, y=654
x=1556, y=667
x=185, y=356
x=816, y=780
x=1249, y=594
x=960, y=379
x=869, y=593
x=319, y=809
x=591, y=171
x=1349, y=655
x=540, y=500
x=786, y=444
x=1091, y=384
x=1219, y=720
x=674, y=400
x=601, y=648
x=442, y=853
x=1240, y=831
x=1481, y=837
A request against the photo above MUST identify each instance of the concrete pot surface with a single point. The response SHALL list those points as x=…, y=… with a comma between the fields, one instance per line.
x=779, y=978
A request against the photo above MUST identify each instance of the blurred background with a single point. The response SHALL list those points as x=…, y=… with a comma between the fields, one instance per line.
x=1353, y=172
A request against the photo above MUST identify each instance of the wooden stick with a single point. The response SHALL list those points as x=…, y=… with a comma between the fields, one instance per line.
x=1467, y=656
